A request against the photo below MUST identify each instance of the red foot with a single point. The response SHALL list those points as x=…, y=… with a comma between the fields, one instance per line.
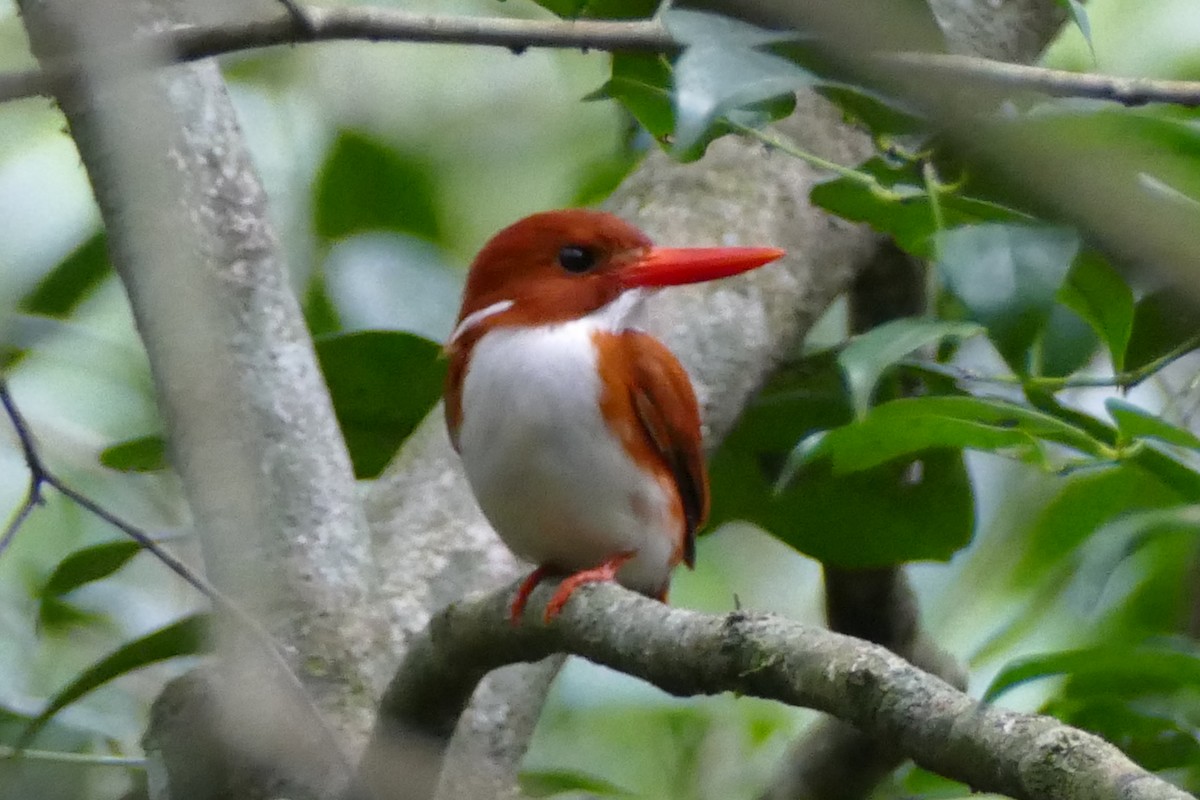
x=607, y=571
x=527, y=586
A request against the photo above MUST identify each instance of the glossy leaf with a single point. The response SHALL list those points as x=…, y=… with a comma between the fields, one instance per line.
x=383, y=383
x=721, y=70
x=1007, y=277
x=642, y=83
x=1134, y=422
x=143, y=454
x=182, y=638
x=365, y=185
x=868, y=356
x=1117, y=666
x=1096, y=292
x=89, y=564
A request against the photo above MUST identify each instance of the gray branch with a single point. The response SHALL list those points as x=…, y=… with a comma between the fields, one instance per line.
x=688, y=653
x=250, y=426
x=364, y=23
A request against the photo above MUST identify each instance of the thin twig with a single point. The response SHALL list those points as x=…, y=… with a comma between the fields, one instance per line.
x=41, y=476
x=1121, y=380
x=37, y=470
x=299, y=17
x=302, y=23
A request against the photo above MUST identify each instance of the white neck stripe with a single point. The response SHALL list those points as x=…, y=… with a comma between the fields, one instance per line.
x=476, y=317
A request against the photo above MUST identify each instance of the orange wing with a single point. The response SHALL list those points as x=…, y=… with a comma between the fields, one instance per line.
x=663, y=402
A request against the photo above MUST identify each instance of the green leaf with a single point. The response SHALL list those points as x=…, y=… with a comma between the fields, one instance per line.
x=365, y=185
x=89, y=564
x=143, y=454
x=383, y=383
x=868, y=356
x=1087, y=503
x=642, y=83
x=1134, y=422
x=182, y=638
x=910, y=510
x=1007, y=277
x=71, y=281
x=1097, y=293
x=1122, y=668
x=911, y=425
x=547, y=783
x=319, y=311
x=720, y=71
x=899, y=511
x=1162, y=321
x=58, y=616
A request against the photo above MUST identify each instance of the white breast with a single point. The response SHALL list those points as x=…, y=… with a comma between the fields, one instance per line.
x=556, y=485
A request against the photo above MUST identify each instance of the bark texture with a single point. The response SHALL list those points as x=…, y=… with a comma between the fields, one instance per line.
x=683, y=652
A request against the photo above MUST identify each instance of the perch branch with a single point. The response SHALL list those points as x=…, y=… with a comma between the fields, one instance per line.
x=689, y=653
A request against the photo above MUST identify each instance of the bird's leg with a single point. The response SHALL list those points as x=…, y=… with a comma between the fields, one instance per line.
x=527, y=586
x=607, y=571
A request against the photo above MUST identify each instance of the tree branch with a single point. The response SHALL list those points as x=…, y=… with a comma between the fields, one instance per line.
x=687, y=653
x=250, y=426
x=302, y=24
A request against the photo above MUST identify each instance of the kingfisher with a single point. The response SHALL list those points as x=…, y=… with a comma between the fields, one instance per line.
x=578, y=431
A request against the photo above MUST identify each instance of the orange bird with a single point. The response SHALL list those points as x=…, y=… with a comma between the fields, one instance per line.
x=579, y=433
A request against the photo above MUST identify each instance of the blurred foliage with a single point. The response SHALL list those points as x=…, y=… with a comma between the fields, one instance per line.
x=1034, y=428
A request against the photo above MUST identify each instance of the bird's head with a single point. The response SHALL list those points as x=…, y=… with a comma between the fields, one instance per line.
x=561, y=265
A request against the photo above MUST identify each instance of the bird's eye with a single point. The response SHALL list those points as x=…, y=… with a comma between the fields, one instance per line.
x=576, y=258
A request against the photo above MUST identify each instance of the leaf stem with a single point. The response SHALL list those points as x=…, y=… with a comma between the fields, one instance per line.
x=785, y=145
x=1121, y=380
x=933, y=188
